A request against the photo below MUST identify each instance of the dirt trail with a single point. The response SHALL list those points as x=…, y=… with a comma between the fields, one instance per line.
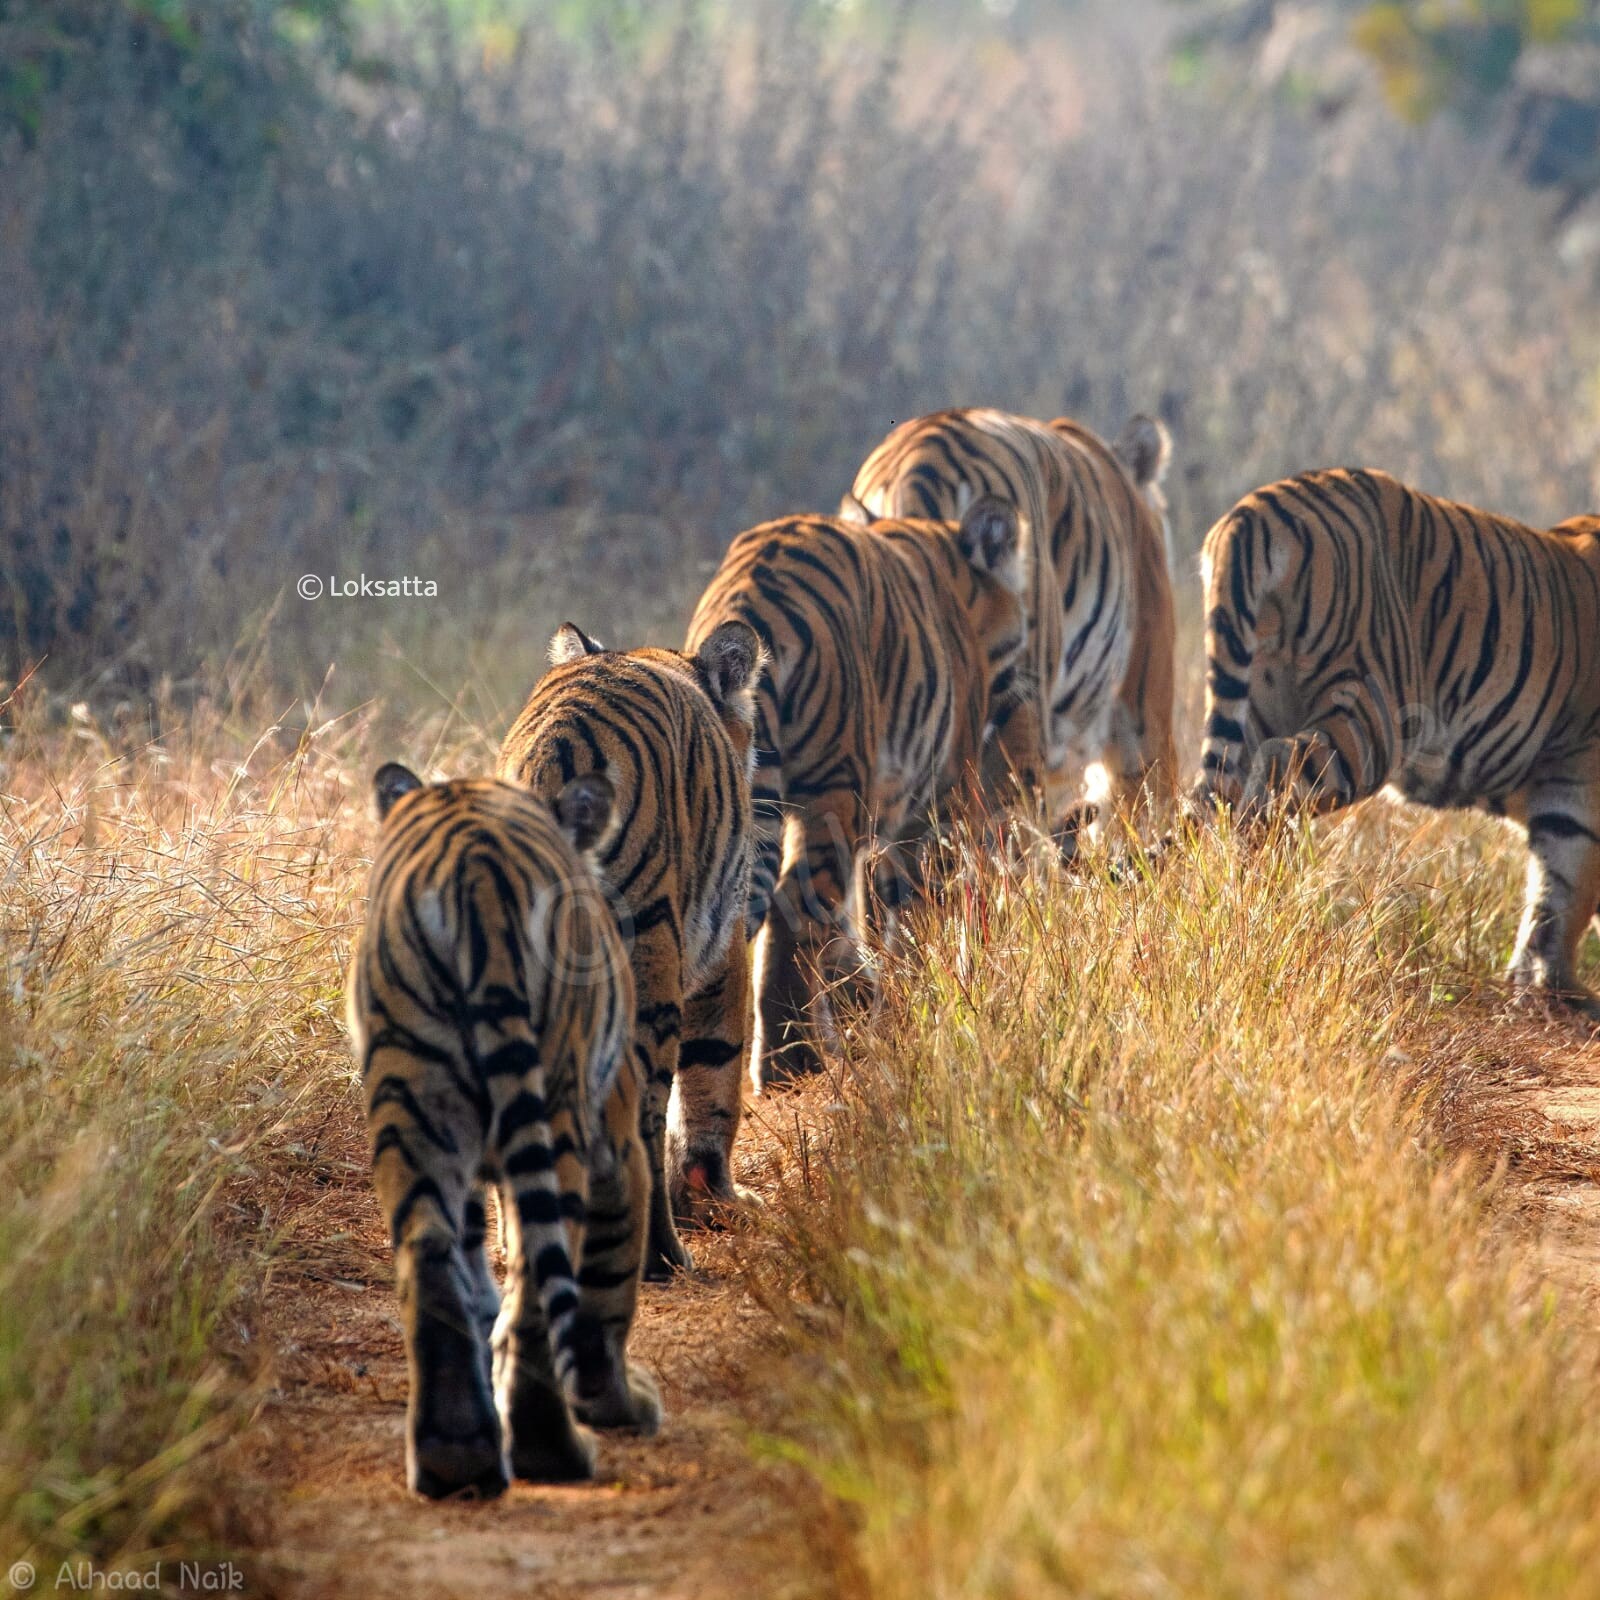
x=684, y=1514
x=1569, y=1202
x=1526, y=1093
x=688, y=1513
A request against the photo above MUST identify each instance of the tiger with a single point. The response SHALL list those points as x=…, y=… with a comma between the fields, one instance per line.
x=489, y=1003
x=674, y=735
x=1362, y=634
x=884, y=643
x=1096, y=683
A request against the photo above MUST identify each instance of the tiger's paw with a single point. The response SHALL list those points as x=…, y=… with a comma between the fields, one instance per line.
x=665, y=1258
x=634, y=1403
x=704, y=1195
x=1069, y=834
x=565, y=1459
x=782, y=1064
x=1573, y=1003
x=547, y=1444
x=473, y=1468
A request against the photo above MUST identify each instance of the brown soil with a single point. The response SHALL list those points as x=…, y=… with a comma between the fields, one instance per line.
x=691, y=1513
x=1566, y=1205
x=687, y=1513
x=1522, y=1094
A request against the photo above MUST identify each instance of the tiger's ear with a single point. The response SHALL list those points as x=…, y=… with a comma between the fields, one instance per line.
x=1144, y=448
x=730, y=660
x=990, y=537
x=390, y=783
x=586, y=810
x=570, y=643
x=852, y=509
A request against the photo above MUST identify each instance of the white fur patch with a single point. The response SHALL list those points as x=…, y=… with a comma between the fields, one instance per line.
x=431, y=917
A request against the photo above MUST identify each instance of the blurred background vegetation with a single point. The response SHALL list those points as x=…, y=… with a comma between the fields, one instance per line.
x=545, y=301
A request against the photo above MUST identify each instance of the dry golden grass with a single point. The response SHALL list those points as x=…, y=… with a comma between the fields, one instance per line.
x=175, y=916
x=1152, y=1251
x=1142, y=1263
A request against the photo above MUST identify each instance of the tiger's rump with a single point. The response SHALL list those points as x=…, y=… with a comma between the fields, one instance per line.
x=883, y=645
x=672, y=733
x=1097, y=683
x=490, y=1004
x=1361, y=633
x=679, y=852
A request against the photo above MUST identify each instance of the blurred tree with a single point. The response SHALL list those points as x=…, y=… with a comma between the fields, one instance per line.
x=1528, y=69
x=1525, y=72
x=1460, y=55
x=195, y=57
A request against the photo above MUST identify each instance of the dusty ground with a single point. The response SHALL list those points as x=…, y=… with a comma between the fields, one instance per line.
x=688, y=1514
x=685, y=1514
x=1562, y=1198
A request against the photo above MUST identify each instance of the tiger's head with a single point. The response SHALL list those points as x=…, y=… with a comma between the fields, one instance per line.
x=726, y=667
x=989, y=537
x=585, y=807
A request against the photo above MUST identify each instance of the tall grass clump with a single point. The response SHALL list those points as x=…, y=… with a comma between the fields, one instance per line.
x=172, y=922
x=1131, y=1266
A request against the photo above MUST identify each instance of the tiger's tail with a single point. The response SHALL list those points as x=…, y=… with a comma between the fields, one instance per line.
x=1234, y=563
x=766, y=802
x=534, y=1137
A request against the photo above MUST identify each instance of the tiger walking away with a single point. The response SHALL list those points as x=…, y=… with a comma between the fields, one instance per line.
x=490, y=1004
x=1360, y=634
x=884, y=647
x=1095, y=687
x=673, y=735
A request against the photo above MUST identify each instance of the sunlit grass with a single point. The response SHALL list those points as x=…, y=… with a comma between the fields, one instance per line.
x=1136, y=1262
x=173, y=922
x=1135, y=1267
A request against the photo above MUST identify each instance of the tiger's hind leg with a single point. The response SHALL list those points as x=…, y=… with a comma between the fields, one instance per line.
x=1013, y=761
x=474, y=1245
x=547, y=1444
x=703, y=1120
x=901, y=878
x=1563, y=887
x=453, y=1436
x=658, y=1029
x=1142, y=765
x=780, y=1048
x=811, y=940
x=1345, y=750
x=611, y=1391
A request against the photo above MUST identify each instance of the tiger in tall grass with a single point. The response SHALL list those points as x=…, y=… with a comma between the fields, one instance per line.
x=1097, y=679
x=884, y=644
x=673, y=734
x=490, y=1004
x=1360, y=634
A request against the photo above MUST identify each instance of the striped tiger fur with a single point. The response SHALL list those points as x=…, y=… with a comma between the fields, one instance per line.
x=884, y=643
x=1360, y=633
x=673, y=733
x=1097, y=680
x=490, y=1003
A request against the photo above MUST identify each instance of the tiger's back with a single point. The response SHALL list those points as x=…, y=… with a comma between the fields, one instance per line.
x=1465, y=645
x=1097, y=681
x=884, y=645
x=881, y=654
x=672, y=733
x=1360, y=633
x=679, y=856
x=490, y=1004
